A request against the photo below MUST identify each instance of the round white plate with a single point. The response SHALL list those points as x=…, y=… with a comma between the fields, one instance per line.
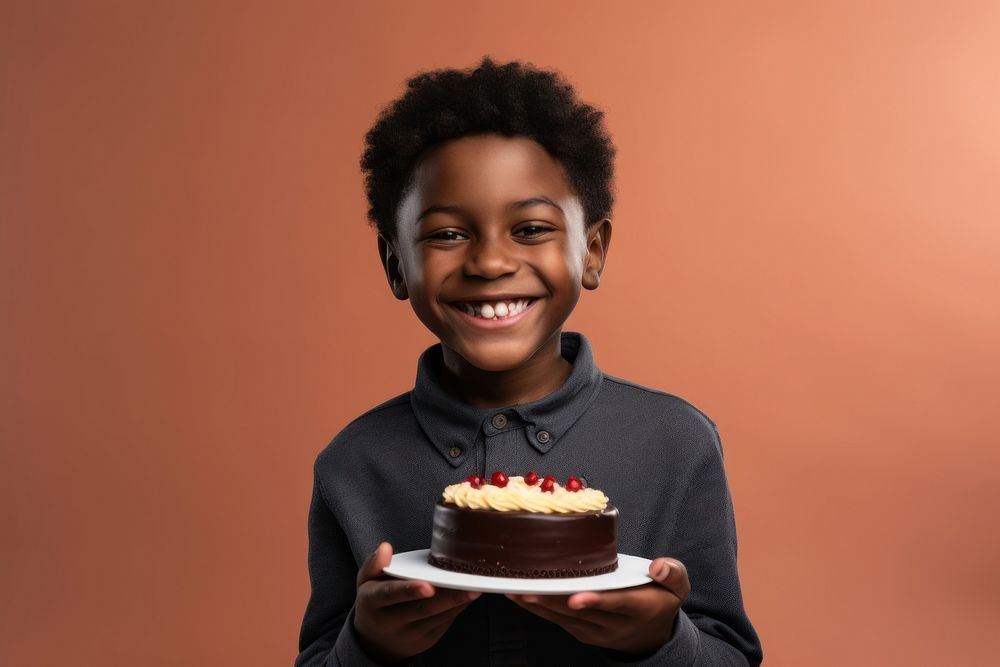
x=632, y=571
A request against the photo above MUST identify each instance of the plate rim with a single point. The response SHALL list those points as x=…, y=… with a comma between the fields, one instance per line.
x=516, y=585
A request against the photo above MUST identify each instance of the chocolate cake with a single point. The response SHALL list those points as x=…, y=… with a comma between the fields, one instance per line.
x=524, y=527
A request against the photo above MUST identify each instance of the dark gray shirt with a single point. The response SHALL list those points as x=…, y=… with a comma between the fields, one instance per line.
x=656, y=457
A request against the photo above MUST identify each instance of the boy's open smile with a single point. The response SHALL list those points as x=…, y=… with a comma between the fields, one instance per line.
x=493, y=312
x=492, y=252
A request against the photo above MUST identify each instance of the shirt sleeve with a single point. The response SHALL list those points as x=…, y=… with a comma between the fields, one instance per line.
x=327, y=637
x=712, y=628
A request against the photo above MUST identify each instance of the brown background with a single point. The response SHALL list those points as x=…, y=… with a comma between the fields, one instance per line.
x=806, y=247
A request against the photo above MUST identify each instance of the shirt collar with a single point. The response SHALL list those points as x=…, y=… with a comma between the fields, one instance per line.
x=453, y=426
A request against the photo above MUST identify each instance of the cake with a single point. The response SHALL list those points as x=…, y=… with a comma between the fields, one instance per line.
x=524, y=527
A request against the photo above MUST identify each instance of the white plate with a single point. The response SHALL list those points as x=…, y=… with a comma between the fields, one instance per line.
x=632, y=571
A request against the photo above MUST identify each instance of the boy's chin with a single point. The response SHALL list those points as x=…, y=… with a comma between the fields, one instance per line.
x=497, y=357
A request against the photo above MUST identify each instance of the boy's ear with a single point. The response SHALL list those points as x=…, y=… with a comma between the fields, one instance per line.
x=390, y=262
x=598, y=240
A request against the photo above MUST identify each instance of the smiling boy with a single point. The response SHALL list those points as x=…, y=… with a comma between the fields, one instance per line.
x=491, y=193
x=512, y=233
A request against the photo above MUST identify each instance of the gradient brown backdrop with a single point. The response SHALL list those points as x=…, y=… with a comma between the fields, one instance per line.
x=191, y=305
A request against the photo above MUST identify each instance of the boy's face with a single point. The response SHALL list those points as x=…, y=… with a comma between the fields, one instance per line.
x=476, y=230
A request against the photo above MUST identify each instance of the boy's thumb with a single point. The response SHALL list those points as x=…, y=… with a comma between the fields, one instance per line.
x=672, y=575
x=375, y=563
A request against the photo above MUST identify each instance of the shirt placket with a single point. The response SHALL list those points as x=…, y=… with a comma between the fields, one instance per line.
x=503, y=434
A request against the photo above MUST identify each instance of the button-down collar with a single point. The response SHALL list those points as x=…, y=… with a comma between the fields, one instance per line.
x=453, y=425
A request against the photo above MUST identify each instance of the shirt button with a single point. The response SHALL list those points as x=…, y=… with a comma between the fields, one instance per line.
x=455, y=452
x=543, y=437
x=499, y=421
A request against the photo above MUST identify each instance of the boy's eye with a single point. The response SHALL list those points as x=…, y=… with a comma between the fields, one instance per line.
x=531, y=231
x=446, y=235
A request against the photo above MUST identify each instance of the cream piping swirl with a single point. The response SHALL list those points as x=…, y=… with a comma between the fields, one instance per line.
x=520, y=496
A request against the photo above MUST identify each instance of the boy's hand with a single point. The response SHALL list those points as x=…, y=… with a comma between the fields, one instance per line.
x=396, y=619
x=634, y=620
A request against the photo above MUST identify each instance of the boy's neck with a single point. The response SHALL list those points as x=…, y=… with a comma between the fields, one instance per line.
x=542, y=374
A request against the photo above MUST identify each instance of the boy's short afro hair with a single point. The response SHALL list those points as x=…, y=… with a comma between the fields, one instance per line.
x=512, y=99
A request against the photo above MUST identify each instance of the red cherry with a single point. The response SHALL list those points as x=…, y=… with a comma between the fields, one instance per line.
x=548, y=484
x=499, y=479
x=475, y=480
x=531, y=478
x=573, y=484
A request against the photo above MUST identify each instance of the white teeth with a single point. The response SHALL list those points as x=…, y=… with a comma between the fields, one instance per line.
x=495, y=311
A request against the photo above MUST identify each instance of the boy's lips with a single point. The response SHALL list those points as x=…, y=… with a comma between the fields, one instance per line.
x=501, y=311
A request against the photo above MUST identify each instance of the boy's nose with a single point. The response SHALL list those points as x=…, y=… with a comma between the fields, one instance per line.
x=489, y=259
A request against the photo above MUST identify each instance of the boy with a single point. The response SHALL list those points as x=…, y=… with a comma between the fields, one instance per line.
x=491, y=191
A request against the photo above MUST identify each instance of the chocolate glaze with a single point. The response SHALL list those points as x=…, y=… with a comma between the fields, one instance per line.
x=524, y=544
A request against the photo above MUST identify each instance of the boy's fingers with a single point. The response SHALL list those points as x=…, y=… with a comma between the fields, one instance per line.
x=613, y=602
x=564, y=606
x=672, y=575
x=568, y=620
x=375, y=563
x=387, y=593
x=441, y=620
x=441, y=601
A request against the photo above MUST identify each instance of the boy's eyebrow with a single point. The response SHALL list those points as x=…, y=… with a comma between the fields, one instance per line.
x=514, y=205
x=534, y=201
